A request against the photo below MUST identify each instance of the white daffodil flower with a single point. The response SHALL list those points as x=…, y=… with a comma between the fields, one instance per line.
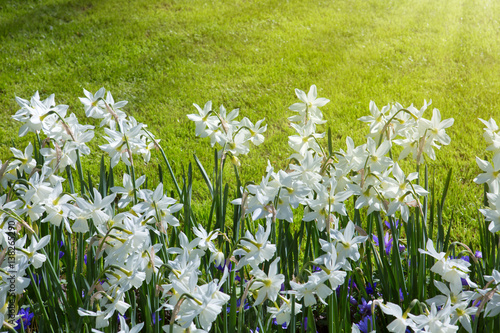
x=309, y=108
x=34, y=258
x=490, y=129
x=450, y=297
x=125, y=329
x=329, y=265
x=127, y=191
x=451, y=270
x=255, y=250
x=314, y=286
x=24, y=161
x=306, y=139
x=254, y=132
x=204, y=121
x=401, y=322
x=34, y=113
x=435, y=321
x=94, y=106
x=57, y=207
x=491, y=174
x=205, y=238
x=187, y=247
x=347, y=242
x=461, y=312
x=160, y=207
x=268, y=285
x=108, y=117
x=435, y=128
x=378, y=118
x=283, y=313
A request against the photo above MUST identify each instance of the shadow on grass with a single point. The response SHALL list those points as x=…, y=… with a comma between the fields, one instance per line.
x=39, y=17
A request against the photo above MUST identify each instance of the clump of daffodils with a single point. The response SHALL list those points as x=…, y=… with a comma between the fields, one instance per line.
x=491, y=174
x=140, y=243
x=233, y=136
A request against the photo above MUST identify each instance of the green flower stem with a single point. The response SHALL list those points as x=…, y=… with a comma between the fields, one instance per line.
x=39, y=299
x=157, y=145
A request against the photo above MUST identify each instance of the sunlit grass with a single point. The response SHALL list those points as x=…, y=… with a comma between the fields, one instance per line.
x=162, y=56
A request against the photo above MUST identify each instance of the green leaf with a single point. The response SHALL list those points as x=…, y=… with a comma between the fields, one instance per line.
x=205, y=175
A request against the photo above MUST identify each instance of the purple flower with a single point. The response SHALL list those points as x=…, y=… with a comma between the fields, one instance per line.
x=370, y=288
x=387, y=242
x=26, y=317
x=305, y=324
x=85, y=259
x=479, y=255
x=401, y=247
x=36, y=278
x=238, y=304
x=401, y=296
x=365, y=308
x=352, y=284
x=396, y=225
x=61, y=253
x=363, y=325
x=156, y=315
x=229, y=266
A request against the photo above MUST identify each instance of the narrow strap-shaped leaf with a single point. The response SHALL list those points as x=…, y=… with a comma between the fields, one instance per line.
x=448, y=234
x=160, y=173
x=445, y=189
x=70, y=179
x=102, y=178
x=330, y=146
x=205, y=175
x=91, y=186
x=224, y=206
x=292, y=316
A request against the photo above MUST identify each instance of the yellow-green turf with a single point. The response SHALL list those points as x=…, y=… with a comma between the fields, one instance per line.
x=163, y=56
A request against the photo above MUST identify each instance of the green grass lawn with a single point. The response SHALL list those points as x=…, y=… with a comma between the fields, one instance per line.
x=163, y=56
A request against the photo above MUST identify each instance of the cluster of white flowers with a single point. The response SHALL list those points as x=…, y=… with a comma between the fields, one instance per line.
x=119, y=225
x=258, y=250
x=121, y=237
x=460, y=301
x=338, y=249
x=275, y=197
x=418, y=135
x=491, y=174
x=182, y=294
x=233, y=136
x=65, y=136
x=126, y=137
x=16, y=260
x=373, y=185
x=322, y=181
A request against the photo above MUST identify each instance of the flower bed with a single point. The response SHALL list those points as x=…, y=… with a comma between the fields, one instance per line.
x=339, y=241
